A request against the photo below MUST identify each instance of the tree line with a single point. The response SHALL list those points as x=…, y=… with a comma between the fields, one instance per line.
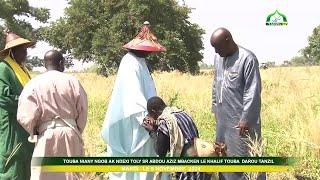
x=88, y=32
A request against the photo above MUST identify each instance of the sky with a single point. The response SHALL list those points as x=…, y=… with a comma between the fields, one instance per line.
x=245, y=19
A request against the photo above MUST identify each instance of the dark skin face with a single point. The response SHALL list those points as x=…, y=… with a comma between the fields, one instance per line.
x=140, y=54
x=19, y=54
x=149, y=122
x=223, y=43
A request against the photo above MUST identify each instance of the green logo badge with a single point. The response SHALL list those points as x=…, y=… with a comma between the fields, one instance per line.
x=276, y=19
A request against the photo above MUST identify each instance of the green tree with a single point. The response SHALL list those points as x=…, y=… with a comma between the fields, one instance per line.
x=35, y=61
x=299, y=61
x=12, y=17
x=311, y=53
x=271, y=64
x=286, y=63
x=96, y=30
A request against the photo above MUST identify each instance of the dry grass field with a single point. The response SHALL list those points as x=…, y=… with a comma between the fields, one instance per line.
x=290, y=112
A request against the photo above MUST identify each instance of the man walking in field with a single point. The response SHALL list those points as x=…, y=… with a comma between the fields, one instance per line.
x=122, y=130
x=54, y=106
x=15, y=150
x=236, y=100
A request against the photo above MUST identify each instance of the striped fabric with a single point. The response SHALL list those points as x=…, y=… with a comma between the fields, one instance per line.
x=189, y=131
x=187, y=126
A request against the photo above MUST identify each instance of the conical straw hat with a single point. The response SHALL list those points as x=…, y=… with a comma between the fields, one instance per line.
x=145, y=41
x=14, y=40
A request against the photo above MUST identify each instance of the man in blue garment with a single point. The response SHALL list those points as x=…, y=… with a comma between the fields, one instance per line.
x=122, y=130
x=236, y=98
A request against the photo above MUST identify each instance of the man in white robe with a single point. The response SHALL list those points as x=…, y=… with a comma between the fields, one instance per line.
x=122, y=129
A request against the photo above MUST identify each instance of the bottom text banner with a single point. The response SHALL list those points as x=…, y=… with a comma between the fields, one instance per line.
x=162, y=168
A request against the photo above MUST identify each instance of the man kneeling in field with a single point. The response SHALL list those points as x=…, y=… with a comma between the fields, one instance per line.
x=170, y=125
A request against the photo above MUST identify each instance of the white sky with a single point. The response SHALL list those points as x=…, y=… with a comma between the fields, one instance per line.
x=246, y=21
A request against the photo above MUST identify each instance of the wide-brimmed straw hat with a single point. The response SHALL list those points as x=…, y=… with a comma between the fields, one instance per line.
x=145, y=41
x=14, y=40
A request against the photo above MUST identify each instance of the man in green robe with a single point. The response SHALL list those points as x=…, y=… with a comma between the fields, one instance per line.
x=15, y=149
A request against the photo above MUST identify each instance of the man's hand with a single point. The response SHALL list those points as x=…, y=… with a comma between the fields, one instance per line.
x=149, y=124
x=220, y=149
x=243, y=127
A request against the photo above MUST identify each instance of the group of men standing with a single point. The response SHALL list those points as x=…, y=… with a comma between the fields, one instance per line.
x=134, y=105
x=40, y=117
x=51, y=109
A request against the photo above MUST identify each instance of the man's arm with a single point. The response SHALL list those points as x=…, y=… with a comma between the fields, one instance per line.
x=160, y=142
x=252, y=92
x=214, y=93
x=29, y=109
x=8, y=101
x=82, y=106
x=159, y=135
